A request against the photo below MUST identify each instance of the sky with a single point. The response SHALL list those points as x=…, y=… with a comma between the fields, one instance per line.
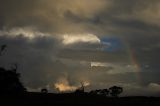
x=58, y=44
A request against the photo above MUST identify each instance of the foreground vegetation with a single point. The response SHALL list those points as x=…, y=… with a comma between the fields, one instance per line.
x=46, y=99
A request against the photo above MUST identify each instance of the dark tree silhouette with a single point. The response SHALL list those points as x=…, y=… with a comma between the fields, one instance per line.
x=102, y=92
x=10, y=79
x=115, y=91
x=10, y=82
x=80, y=89
x=94, y=92
x=44, y=90
x=2, y=48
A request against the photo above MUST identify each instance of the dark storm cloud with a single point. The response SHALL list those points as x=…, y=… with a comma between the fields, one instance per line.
x=146, y=49
x=33, y=58
x=100, y=16
x=122, y=17
x=93, y=55
x=47, y=15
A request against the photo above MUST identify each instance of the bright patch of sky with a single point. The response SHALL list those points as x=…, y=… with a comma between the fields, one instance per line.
x=115, y=43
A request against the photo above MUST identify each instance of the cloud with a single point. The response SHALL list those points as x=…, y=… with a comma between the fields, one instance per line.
x=77, y=38
x=63, y=85
x=93, y=55
x=150, y=89
x=148, y=12
x=27, y=32
x=48, y=15
x=154, y=87
x=98, y=16
x=112, y=68
x=99, y=64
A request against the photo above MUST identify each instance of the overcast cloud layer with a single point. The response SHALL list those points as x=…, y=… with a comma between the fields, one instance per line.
x=60, y=43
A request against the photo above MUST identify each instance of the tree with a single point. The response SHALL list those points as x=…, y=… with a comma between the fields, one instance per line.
x=80, y=89
x=93, y=92
x=10, y=81
x=44, y=90
x=115, y=91
x=102, y=92
x=2, y=48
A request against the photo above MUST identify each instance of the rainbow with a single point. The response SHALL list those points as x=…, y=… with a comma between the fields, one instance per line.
x=134, y=62
x=120, y=43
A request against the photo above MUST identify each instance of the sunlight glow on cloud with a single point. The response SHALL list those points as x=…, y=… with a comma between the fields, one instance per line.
x=64, y=87
x=26, y=32
x=99, y=64
x=85, y=38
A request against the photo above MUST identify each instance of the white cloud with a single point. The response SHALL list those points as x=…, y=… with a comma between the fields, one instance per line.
x=96, y=64
x=27, y=32
x=76, y=38
x=114, y=68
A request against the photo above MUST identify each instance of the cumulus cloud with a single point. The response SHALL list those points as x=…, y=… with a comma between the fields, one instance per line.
x=85, y=38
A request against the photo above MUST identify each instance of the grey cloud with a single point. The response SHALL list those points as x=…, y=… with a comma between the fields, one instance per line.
x=35, y=58
x=103, y=17
x=101, y=68
x=47, y=15
x=87, y=46
x=93, y=55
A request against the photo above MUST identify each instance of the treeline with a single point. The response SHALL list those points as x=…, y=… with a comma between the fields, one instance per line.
x=114, y=91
